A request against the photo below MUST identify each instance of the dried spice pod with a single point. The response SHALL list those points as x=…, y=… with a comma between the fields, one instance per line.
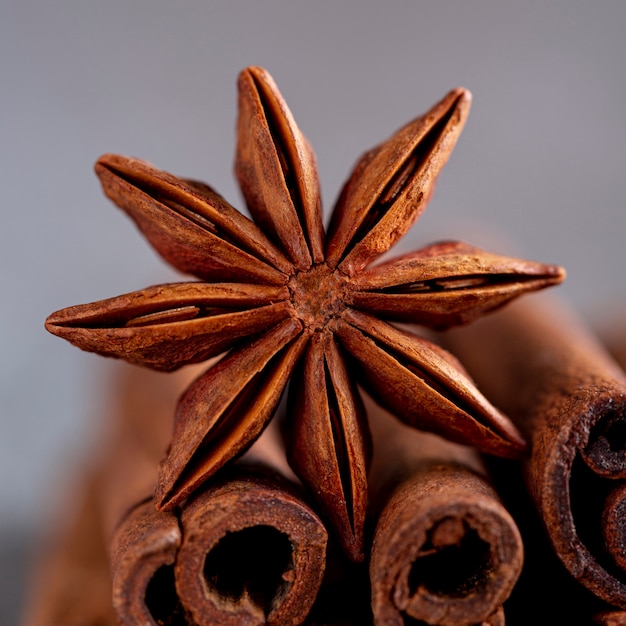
x=225, y=410
x=277, y=171
x=539, y=362
x=287, y=287
x=168, y=326
x=424, y=386
x=183, y=219
x=325, y=407
x=445, y=550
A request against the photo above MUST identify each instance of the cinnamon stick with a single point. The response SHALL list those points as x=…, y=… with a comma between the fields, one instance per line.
x=142, y=542
x=613, y=335
x=445, y=551
x=143, y=550
x=248, y=549
x=252, y=552
x=71, y=583
x=539, y=363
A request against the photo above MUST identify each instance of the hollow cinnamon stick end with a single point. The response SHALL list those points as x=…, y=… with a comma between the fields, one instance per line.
x=445, y=551
x=252, y=553
x=143, y=550
x=613, y=527
x=576, y=476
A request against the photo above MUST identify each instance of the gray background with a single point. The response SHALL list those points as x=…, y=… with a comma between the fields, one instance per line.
x=538, y=172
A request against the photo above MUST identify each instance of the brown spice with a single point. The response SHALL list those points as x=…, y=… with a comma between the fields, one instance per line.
x=71, y=581
x=248, y=549
x=539, y=362
x=252, y=552
x=445, y=551
x=118, y=560
x=142, y=542
x=143, y=549
x=297, y=301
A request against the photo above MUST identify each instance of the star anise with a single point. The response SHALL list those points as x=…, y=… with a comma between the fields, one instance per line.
x=283, y=302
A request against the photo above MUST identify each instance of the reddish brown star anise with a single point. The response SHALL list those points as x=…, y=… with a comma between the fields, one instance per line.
x=285, y=303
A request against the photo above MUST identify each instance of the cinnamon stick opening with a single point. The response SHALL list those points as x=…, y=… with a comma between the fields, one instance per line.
x=604, y=452
x=452, y=555
x=253, y=562
x=445, y=551
x=161, y=599
x=252, y=552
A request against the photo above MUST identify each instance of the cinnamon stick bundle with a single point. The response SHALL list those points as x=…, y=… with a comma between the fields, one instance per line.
x=445, y=551
x=247, y=549
x=540, y=363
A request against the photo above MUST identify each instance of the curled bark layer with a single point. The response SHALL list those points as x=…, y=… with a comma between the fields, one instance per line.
x=252, y=553
x=445, y=550
x=143, y=550
x=537, y=361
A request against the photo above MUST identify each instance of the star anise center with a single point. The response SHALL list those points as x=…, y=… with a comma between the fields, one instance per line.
x=318, y=295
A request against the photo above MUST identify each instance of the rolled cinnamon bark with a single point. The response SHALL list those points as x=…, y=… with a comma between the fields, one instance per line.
x=143, y=542
x=445, y=550
x=143, y=550
x=538, y=362
x=613, y=334
x=71, y=583
x=253, y=552
x=247, y=550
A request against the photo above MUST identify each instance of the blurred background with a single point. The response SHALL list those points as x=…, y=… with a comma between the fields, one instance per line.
x=537, y=173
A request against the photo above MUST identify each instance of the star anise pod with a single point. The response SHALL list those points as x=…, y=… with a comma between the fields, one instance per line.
x=285, y=303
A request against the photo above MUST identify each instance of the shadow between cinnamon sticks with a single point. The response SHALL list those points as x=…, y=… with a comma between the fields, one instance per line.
x=538, y=362
x=248, y=549
x=445, y=551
